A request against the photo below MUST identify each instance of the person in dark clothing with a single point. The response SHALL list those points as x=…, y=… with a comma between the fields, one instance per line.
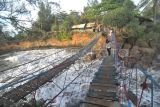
x=109, y=42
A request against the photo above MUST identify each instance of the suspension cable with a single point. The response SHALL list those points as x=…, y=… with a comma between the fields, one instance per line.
x=144, y=86
x=27, y=77
x=30, y=61
x=68, y=85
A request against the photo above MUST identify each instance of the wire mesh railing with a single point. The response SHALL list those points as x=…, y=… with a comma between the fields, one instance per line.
x=74, y=79
x=141, y=84
x=21, y=91
x=136, y=83
x=35, y=71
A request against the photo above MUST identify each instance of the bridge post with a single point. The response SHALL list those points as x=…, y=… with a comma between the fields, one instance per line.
x=152, y=86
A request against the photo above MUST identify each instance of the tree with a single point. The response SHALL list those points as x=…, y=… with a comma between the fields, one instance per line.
x=119, y=16
x=122, y=17
x=2, y=38
x=91, y=11
x=11, y=11
x=58, y=19
x=45, y=18
x=64, y=21
x=107, y=5
x=69, y=20
x=152, y=4
x=74, y=17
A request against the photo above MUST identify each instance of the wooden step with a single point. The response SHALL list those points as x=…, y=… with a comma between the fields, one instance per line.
x=103, y=85
x=102, y=88
x=100, y=102
x=107, y=94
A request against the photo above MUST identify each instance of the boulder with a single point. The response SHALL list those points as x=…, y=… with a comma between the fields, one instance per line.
x=147, y=51
x=90, y=56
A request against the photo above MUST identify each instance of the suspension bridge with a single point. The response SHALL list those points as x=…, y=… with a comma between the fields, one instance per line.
x=107, y=89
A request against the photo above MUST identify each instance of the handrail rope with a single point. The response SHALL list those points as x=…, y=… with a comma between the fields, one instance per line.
x=30, y=61
x=82, y=61
x=143, y=88
x=144, y=71
x=72, y=59
x=38, y=69
x=136, y=86
x=68, y=85
x=27, y=77
x=124, y=85
x=127, y=96
x=130, y=78
x=116, y=62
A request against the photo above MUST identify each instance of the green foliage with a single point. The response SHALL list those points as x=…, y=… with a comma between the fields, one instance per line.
x=134, y=29
x=107, y=5
x=135, y=32
x=74, y=17
x=64, y=21
x=119, y=17
x=152, y=33
x=151, y=8
x=21, y=35
x=43, y=24
x=63, y=35
x=122, y=16
x=45, y=18
x=54, y=27
x=65, y=25
x=5, y=35
x=91, y=12
x=1, y=34
x=34, y=34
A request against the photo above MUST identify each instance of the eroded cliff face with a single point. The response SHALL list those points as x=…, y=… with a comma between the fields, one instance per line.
x=77, y=39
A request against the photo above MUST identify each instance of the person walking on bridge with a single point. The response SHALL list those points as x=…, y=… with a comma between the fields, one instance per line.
x=109, y=41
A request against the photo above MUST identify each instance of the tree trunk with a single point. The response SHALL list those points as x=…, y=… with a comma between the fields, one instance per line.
x=155, y=11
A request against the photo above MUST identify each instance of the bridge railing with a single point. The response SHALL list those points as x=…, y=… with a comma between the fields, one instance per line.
x=21, y=91
x=127, y=78
x=25, y=74
x=139, y=83
x=153, y=83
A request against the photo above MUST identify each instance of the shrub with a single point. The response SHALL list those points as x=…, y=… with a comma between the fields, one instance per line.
x=63, y=35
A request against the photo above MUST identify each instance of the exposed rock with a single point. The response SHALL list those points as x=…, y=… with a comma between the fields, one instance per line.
x=129, y=62
x=123, y=53
x=143, y=56
x=146, y=61
x=90, y=56
x=133, y=57
x=158, y=80
x=127, y=46
x=85, y=86
x=135, y=51
x=141, y=43
x=144, y=106
x=67, y=93
x=147, y=51
x=158, y=57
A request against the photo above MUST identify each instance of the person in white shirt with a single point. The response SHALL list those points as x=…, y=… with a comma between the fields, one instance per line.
x=109, y=41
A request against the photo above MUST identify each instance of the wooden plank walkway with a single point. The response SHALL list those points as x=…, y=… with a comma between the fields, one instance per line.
x=104, y=87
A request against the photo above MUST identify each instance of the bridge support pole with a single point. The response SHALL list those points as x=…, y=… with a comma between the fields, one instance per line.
x=152, y=93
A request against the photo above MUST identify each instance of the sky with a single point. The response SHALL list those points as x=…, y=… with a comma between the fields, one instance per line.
x=77, y=5
x=66, y=5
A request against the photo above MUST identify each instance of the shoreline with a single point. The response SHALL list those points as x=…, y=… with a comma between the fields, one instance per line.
x=3, y=52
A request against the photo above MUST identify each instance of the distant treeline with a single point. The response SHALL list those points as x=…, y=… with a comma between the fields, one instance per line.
x=122, y=15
